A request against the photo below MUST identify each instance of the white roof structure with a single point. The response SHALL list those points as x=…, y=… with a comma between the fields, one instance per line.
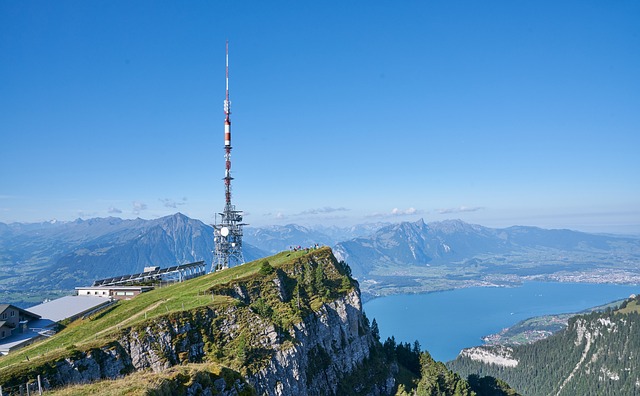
x=67, y=307
x=51, y=312
x=36, y=329
x=115, y=287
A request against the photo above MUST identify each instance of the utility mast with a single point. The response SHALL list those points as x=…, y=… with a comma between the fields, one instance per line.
x=227, y=234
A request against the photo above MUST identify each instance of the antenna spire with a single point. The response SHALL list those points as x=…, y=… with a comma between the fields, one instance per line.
x=227, y=135
x=228, y=233
x=227, y=103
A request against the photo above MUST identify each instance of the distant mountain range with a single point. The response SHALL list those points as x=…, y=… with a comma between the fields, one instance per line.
x=276, y=238
x=57, y=255
x=456, y=241
x=418, y=257
x=385, y=258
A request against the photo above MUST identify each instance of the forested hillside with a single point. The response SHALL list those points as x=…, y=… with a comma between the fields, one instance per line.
x=434, y=378
x=596, y=355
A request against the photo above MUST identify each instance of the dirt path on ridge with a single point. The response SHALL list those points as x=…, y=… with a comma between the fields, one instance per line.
x=131, y=318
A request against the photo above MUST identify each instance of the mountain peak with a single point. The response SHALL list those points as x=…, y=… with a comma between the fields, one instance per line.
x=176, y=218
x=452, y=225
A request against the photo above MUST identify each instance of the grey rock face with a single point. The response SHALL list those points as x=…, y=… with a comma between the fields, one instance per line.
x=91, y=366
x=329, y=344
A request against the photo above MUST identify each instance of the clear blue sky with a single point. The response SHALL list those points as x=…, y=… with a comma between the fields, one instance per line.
x=495, y=112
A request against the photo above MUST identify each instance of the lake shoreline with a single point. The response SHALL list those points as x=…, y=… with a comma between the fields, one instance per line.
x=447, y=321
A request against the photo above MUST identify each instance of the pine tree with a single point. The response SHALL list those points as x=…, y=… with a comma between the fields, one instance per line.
x=375, y=331
x=319, y=278
x=308, y=277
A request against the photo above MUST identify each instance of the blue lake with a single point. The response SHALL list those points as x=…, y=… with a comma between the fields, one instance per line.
x=446, y=322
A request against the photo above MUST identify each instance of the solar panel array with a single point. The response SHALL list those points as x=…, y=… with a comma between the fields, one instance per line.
x=151, y=275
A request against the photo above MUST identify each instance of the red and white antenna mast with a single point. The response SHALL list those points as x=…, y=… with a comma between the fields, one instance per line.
x=227, y=235
x=227, y=135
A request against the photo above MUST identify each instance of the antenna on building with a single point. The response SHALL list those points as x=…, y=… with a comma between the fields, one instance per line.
x=227, y=235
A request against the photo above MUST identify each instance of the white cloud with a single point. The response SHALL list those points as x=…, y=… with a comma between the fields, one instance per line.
x=326, y=209
x=83, y=214
x=461, y=209
x=170, y=203
x=138, y=207
x=406, y=212
x=114, y=210
x=277, y=215
x=395, y=212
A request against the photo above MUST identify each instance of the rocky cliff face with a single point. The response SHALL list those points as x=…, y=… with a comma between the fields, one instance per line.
x=310, y=358
x=284, y=332
x=329, y=343
x=499, y=355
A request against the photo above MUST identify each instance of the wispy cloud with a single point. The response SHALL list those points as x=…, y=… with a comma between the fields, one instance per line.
x=406, y=212
x=277, y=215
x=395, y=212
x=113, y=210
x=83, y=214
x=325, y=210
x=171, y=203
x=138, y=207
x=461, y=209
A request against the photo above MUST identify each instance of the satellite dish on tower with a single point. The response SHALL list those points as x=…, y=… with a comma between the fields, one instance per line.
x=228, y=233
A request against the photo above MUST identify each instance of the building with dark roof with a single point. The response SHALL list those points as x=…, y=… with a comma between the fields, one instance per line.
x=13, y=320
x=22, y=327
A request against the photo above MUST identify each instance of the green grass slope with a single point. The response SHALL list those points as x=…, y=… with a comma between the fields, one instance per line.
x=176, y=381
x=212, y=292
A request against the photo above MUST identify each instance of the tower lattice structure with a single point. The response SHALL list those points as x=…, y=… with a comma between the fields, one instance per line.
x=227, y=234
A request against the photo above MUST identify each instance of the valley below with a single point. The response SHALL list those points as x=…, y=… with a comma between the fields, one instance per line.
x=511, y=271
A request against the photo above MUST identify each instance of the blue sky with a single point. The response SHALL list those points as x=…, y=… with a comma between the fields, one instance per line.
x=498, y=113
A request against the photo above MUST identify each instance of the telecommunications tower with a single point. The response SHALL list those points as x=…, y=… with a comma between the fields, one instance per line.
x=227, y=234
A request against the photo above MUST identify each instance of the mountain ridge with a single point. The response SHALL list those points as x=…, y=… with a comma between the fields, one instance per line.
x=406, y=257
x=413, y=257
x=62, y=256
x=278, y=331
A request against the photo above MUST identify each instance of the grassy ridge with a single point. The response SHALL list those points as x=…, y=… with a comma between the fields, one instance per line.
x=104, y=327
x=633, y=305
x=173, y=381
